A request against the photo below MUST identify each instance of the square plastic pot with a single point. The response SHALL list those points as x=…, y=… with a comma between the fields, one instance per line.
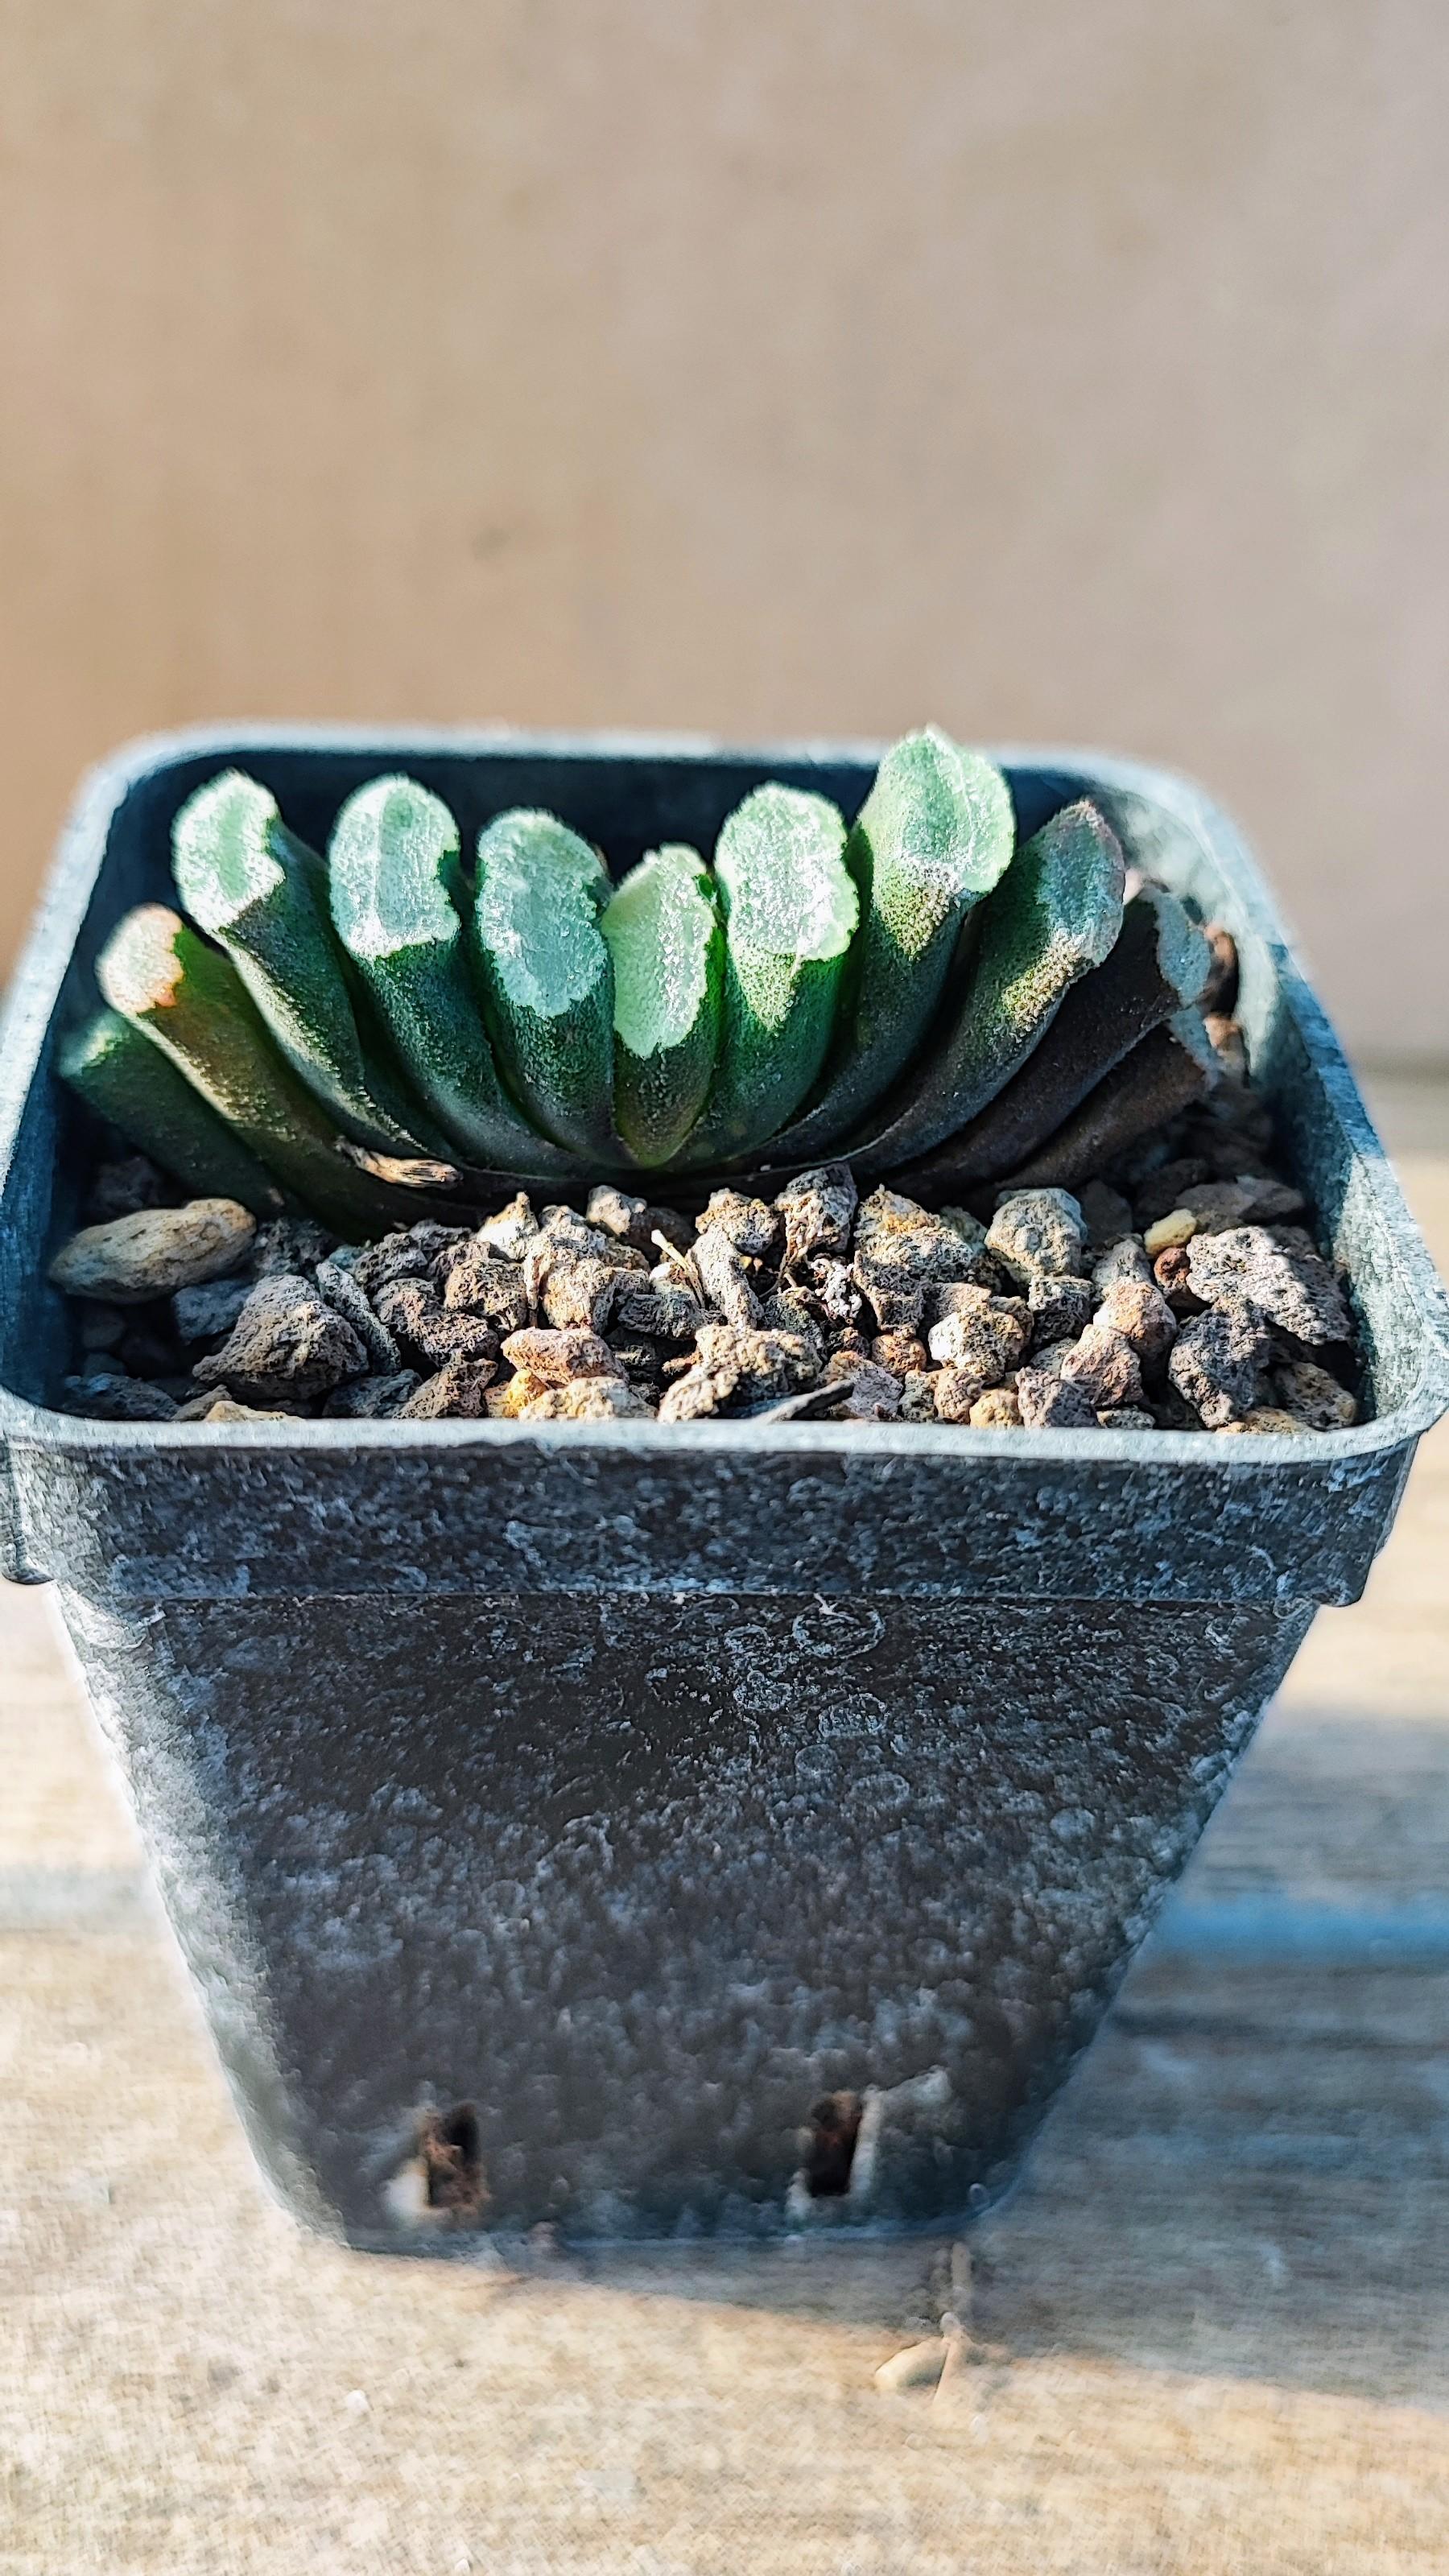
x=642, y=1785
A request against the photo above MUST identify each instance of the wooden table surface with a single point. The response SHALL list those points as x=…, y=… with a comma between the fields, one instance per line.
x=1219, y=2308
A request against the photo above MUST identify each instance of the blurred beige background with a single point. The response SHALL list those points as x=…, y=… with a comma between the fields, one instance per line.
x=1075, y=370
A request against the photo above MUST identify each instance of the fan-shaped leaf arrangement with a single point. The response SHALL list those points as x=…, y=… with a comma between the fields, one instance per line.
x=389, y=1026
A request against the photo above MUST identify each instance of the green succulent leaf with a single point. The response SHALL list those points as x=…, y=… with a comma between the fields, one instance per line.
x=124, y=1076
x=547, y=977
x=1174, y=1065
x=261, y=893
x=191, y=1003
x=1055, y=915
x=394, y=868
x=933, y=837
x=663, y=932
x=1159, y=963
x=791, y=910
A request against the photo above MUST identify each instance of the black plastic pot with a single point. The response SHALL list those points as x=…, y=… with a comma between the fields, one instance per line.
x=642, y=1785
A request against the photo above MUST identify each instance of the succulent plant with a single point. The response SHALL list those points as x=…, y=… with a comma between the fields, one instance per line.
x=388, y=1028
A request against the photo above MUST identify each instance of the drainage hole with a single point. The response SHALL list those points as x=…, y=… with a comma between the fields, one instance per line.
x=828, y=2146
x=450, y=2151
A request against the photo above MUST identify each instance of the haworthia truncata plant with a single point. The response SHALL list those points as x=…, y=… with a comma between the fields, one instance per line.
x=191, y=1002
x=1054, y=917
x=1167, y=1070
x=662, y=929
x=934, y=835
x=791, y=910
x=547, y=977
x=259, y=891
x=916, y=996
x=394, y=867
x=1159, y=962
x=125, y=1077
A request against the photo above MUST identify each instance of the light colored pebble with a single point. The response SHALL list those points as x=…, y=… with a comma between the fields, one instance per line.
x=505, y=1403
x=1178, y=1226
x=919, y=2366
x=996, y=1410
x=1314, y=1397
x=560, y=1356
x=589, y=1399
x=1263, y=1419
x=226, y=1409
x=155, y=1251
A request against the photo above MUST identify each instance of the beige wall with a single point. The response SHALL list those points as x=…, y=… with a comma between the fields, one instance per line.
x=1076, y=368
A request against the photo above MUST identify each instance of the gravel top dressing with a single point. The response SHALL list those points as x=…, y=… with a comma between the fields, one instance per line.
x=1178, y=1289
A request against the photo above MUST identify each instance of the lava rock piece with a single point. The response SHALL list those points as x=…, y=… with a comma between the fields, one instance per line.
x=122, y=1187
x=425, y=1331
x=287, y=1343
x=579, y=1290
x=970, y=1233
x=1123, y=1258
x=508, y=1234
x=784, y=1313
x=1060, y=1308
x=736, y=1365
x=639, y=1359
x=454, y=1394
x=208, y=1312
x=590, y=1399
x=1105, y=1367
x=376, y=1266
x=1313, y=1397
x=613, y=1212
x=1170, y=1233
x=113, y=1398
x=1173, y=1275
x=902, y=1353
x=1297, y=1291
x=1265, y=1421
x=901, y=1250
x=723, y=1275
x=130, y=1260
x=342, y=1291
x=558, y=1357
x=477, y=1284
x=565, y=1231
x=1217, y=1363
x=868, y=1394
x=506, y=1402
x=1049, y=1403
x=371, y=1399
x=981, y=1342
x=752, y=1226
x=1138, y=1311
x=832, y=1284
x=918, y=1396
x=1049, y=1357
x=1125, y=1417
x=1036, y=1232
x=666, y=1311
x=999, y=1409
x=217, y=1406
x=288, y=1246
